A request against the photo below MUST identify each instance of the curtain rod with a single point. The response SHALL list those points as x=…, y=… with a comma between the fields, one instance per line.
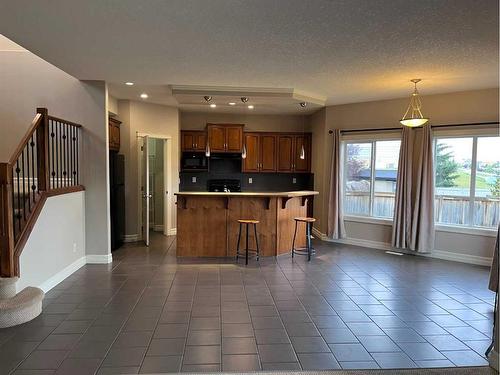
x=399, y=128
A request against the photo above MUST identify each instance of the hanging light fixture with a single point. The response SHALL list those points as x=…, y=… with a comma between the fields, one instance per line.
x=207, y=150
x=413, y=116
x=244, y=152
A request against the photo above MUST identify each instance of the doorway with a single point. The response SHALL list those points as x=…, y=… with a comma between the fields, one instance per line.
x=154, y=185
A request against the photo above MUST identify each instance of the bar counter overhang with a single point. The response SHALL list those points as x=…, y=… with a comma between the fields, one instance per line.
x=207, y=222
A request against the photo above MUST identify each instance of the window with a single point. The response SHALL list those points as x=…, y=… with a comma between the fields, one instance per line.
x=467, y=181
x=370, y=174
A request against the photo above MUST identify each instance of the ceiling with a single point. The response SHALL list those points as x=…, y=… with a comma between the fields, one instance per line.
x=340, y=51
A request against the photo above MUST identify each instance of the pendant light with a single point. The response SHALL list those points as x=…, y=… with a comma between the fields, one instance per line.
x=413, y=116
x=207, y=150
x=302, y=154
x=244, y=151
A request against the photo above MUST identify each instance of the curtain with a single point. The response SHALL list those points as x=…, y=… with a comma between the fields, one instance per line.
x=493, y=284
x=335, y=223
x=413, y=226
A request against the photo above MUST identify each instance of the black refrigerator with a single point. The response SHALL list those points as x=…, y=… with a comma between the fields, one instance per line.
x=117, y=198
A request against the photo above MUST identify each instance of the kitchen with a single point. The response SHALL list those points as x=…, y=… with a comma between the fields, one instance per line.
x=230, y=173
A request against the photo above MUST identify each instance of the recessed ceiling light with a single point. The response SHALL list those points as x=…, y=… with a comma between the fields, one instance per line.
x=213, y=105
x=231, y=103
x=144, y=95
x=250, y=106
x=129, y=83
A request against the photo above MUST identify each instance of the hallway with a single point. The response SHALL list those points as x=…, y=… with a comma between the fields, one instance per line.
x=351, y=307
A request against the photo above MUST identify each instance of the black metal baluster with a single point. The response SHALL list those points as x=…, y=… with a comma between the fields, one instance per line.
x=18, y=170
x=73, y=155
x=13, y=202
x=68, y=169
x=52, y=162
x=57, y=153
x=77, y=156
x=33, y=186
x=28, y=171
x=24, y=184
x=63, y=153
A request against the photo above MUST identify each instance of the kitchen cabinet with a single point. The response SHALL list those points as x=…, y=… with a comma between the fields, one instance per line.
x=252, y=162
x=261, y=152
x=289, y=148
x=114, y=134
x=225, y=137
x=194, y=141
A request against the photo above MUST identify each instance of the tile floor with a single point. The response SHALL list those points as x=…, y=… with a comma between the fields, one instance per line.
x=349, y=308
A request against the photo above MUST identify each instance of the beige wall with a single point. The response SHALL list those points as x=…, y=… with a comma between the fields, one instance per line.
x=453, y=108
x=284, y=123
x=152, y=119
x=28, y=82
x=112, y=105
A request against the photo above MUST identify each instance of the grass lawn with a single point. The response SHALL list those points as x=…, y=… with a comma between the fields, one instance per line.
x=463, y=180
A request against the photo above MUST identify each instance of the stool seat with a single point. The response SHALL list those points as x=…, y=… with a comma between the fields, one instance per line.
x=248, y=221
x=305, y=219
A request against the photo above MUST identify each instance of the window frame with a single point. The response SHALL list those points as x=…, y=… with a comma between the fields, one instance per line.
x=462, y=228
x=370, y=218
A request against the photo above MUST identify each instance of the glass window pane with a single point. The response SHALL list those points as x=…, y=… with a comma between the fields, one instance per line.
x=357, y=178
x=453, y=158
x=386, y=173
x=487, y=192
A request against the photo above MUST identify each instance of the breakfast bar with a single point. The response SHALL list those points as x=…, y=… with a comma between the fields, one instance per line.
x=207, y=222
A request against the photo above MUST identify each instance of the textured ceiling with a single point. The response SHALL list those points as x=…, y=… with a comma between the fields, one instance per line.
x=343, y=50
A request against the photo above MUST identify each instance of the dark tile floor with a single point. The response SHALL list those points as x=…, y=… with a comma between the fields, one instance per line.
x=349, y=307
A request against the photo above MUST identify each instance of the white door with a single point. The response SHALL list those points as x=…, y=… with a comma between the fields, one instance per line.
x=146, y=195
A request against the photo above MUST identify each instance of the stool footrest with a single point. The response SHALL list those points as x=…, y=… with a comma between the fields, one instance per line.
x=303, y=251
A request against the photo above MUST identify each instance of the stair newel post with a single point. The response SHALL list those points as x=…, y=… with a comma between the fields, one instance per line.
x=7, y=268
x=42, y=139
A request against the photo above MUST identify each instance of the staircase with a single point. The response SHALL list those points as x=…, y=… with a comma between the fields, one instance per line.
x=46, y=163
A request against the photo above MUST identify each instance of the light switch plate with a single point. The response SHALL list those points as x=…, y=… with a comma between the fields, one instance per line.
x=294, y=180
x=250, y=180
x=193, y=180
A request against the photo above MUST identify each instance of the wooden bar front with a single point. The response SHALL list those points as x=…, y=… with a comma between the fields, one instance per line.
x=207, y=223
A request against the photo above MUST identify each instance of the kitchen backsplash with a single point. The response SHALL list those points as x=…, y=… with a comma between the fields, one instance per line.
x=197, y=181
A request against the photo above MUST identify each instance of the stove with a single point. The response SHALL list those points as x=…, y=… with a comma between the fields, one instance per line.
x=224, y=185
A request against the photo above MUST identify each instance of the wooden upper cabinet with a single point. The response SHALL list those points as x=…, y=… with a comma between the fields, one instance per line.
x=302, y=165
x=234, y=138
x=267, y=153
x=217, y=138
x=252, y=162
x=193, y=141
x=225, y=137
x=285, y=153
x=114, y=134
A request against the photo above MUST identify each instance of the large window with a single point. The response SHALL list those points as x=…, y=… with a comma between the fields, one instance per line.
x=370, y=173
x=467, y=181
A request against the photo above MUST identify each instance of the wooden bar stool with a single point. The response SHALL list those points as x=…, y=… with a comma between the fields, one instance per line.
x=308, y=250
x=247, y=250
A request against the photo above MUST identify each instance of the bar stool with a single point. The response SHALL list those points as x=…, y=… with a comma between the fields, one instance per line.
x=247, y=250
x=308, y=250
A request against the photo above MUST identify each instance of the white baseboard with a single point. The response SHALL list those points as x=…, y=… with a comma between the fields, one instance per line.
x=158, y=228
x=172, y=231
x=131, y=238
x=438, y=254
x=99, y=259
x=61, y=275
x=493, y=360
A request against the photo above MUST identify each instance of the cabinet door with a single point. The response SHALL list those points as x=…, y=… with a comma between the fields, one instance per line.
x=116, y=136
x=217, y=138
x=187, y=141
x=200, y=141
x=285, y=153
x=251, y=162
x=302, y=165
x=234, y=138
x=267, y=153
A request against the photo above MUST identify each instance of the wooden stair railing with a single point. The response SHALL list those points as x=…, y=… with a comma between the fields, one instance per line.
x=46, y=163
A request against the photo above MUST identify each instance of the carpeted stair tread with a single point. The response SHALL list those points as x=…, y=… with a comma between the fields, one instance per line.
x=21, y=308
x=8, y=287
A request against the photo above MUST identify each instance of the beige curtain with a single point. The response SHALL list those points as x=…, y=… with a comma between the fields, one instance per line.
x=413, y=227
x=335, y=228
x=493, y=284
